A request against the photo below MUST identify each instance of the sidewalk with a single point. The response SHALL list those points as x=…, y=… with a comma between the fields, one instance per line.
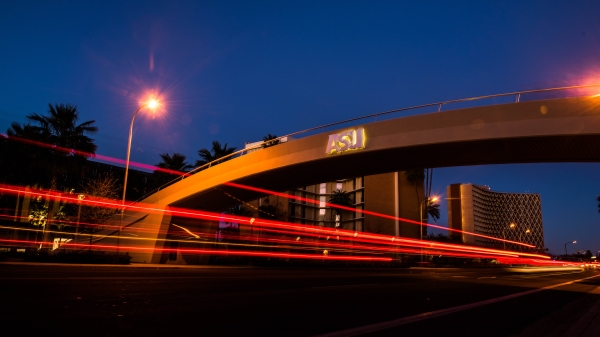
x=589, y=324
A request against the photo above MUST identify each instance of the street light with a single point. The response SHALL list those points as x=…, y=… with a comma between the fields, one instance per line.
x=574, y=241
x=511, y=226
x=152, y=104
x=428, y=200
x=80, y=197
x=527, y=233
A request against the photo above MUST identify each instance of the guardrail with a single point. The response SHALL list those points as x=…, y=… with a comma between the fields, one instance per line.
x=439, y=105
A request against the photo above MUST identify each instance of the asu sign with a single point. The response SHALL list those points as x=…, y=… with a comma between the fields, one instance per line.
x=346, y=141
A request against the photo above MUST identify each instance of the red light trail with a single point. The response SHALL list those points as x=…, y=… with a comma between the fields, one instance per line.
x=285, y=195
x=289, y=196
x=295, y=229
x=93, y=155
x=223, y=252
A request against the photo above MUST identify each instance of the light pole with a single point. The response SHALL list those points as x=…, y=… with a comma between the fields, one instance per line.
x=428, y=200
x=527, y=233
x=80, y=197
x=511, y=226
x=151, y=104
x=574, y=241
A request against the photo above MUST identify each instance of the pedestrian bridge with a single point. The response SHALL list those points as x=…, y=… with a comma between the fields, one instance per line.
x=560, y=130
x=557, y=130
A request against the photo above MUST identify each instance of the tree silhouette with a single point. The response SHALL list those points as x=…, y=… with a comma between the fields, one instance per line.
x=433, y=210
x=217, y=151
x=24, y=161
x=270, y=140
x=69, y=144
x=176, y=162
x=341, y=198
x=103, y=187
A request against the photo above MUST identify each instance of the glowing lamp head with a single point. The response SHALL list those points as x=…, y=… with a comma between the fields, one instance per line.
x=434, y=199
x=153, y=104
x=512, y=225
x=527, y=231
x=574, y=241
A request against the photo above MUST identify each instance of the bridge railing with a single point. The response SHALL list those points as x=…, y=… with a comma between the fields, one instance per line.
x=322, y=128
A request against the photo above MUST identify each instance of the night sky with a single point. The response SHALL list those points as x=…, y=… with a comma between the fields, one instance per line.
x=236, y=71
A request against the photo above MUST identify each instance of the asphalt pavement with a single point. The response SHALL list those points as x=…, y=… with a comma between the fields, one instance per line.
x=69, y=300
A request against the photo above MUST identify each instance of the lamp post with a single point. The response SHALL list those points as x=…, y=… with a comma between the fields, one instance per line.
x=527, y=233
x=428, y=200
x=80, y=197
x=574, y=241
x=511, y=226
x=151, y=104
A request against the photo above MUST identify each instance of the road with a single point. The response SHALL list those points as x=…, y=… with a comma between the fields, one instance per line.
x=67, y=300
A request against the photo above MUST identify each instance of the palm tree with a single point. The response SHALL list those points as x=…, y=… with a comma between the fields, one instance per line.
x=341, y=198
x=433, y=210
x=176, y=162
x=61, y=125
x=270, y=140
x=27, y=131
x=215, y=153
x=24, y=160
x=59, y=128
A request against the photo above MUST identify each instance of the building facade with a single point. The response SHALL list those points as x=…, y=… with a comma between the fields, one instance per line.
x=510, y=216
x=388, y=193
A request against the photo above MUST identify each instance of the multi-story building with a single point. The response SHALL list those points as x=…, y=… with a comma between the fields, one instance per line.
x=510, y=216
x=388, y=193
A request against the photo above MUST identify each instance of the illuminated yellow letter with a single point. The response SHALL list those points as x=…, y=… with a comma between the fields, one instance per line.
x=332, y=144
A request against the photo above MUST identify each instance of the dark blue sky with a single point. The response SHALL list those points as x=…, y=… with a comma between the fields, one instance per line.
x=234, y=71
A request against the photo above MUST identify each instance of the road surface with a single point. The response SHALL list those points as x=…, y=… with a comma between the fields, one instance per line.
x=68, y=300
